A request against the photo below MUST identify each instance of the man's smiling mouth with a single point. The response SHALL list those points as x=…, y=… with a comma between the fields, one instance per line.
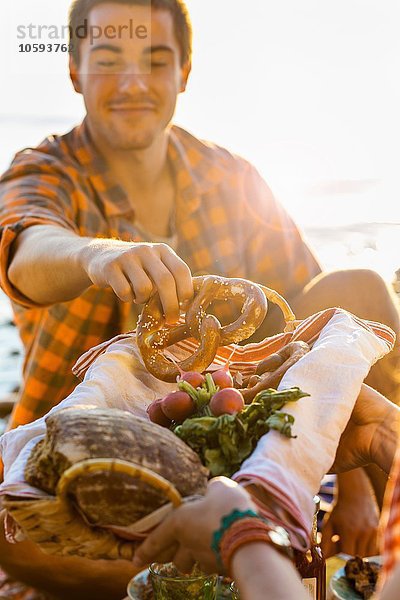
x=133, y=108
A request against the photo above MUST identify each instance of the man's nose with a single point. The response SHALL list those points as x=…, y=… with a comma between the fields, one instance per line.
x=133, y=80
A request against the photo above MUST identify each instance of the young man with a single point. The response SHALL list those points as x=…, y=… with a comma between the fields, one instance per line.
x=127, y=176
x=93, y=222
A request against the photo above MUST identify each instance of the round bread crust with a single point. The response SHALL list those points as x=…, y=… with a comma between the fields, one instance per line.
x=80, y=433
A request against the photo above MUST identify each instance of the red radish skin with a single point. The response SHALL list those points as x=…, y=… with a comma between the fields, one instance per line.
x=222, y=378
x=178, y=406
x=193, y=377
x=228, y=401
x=156, y=414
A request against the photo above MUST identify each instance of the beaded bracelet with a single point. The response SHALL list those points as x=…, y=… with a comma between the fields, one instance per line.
x=244, y=527
x=241, y=533
x=226, y=522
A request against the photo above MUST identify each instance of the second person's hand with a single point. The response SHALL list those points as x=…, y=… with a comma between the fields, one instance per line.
x=371, y=434
x=186, y=534
x=352, y=526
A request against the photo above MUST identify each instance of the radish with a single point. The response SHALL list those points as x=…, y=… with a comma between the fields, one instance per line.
x=227, y=401
x=156, y=414
x=178, y=406
x=193, y=377
x=223, y=378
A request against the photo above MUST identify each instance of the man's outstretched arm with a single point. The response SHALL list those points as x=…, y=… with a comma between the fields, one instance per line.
x=50, y=264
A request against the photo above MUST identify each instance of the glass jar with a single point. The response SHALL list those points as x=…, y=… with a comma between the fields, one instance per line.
x=311, y=565
x=234, y=591
x=168, y=585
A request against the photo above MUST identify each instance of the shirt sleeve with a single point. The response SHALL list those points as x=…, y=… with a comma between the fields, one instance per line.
x=35, y=190
x=277, y=254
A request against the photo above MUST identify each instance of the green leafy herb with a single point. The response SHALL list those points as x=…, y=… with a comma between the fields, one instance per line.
x=224, y=442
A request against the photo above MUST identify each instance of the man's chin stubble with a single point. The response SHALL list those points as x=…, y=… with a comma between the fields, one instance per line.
x=131, y=145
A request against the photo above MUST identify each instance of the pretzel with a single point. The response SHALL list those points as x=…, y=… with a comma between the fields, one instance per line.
x=153, y=336
x=210, y=288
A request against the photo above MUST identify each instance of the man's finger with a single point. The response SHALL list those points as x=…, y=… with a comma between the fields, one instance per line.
x=181, y=273
x=166, y=287
x=140, y=282
x=121, y=286
x=292, y=347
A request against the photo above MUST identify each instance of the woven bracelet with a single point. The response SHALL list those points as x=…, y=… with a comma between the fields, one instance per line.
x=240, y=534
x=226, y=522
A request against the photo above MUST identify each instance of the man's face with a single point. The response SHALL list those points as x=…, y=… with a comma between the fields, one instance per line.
x=130, y=85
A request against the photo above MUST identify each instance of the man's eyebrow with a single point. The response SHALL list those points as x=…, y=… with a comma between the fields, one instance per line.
x=107, y=47
x=160, y=48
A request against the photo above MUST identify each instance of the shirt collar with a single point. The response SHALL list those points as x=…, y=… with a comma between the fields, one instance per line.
x=194, y=171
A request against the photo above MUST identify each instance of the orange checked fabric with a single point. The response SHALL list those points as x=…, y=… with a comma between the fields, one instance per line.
x=390, y=522
x=244, y=359
x=227, y=223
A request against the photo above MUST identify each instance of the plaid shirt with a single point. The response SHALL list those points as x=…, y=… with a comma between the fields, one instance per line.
x=226, y=220
x=390, y=522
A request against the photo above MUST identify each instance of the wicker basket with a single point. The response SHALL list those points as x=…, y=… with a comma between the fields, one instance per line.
x=55, y=525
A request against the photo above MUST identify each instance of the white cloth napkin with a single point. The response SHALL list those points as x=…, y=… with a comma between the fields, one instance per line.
x=332, y=373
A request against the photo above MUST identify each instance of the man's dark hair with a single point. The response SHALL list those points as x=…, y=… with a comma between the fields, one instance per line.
x=80, y=10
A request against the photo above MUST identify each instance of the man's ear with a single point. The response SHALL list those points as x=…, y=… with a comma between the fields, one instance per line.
x=185, y=72
x=73, y=73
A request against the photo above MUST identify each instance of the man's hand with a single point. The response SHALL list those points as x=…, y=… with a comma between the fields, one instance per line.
x=355, y=522
x=185, y=536
x=52, y=264
x=371, y=434
x=135, y=271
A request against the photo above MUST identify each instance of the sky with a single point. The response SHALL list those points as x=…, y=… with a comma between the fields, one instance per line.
x=309, y=91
